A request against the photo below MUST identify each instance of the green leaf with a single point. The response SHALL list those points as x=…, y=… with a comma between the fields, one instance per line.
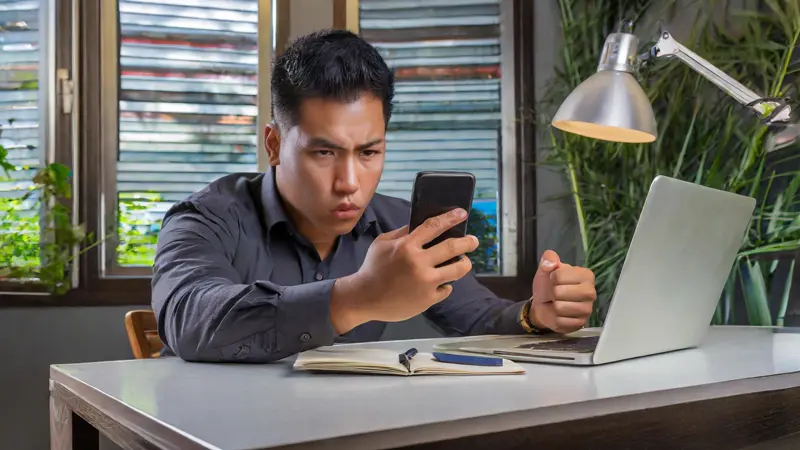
x=787, y=289
x=756, y=298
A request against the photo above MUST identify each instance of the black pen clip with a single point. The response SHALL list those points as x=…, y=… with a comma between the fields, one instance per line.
x=405, y=358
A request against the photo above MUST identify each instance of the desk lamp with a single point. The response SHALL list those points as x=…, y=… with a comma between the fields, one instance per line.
x=611, y=105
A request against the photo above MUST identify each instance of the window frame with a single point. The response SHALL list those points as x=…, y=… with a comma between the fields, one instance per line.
x=110, y=79
x=98, y=286
x=517, y=169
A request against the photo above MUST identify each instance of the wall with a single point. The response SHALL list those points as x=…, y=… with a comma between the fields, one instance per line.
x=556, y=226
x=303, y=21
x=34, y=338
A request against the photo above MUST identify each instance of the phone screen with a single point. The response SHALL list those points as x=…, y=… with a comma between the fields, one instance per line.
x=436, y=193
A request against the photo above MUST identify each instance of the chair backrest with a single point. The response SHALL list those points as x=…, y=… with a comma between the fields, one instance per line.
x=143, y=334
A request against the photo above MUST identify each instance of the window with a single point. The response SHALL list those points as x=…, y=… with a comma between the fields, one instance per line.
x=449, y=112
x=31, y=119
x=20, y=150
x=187, y=112
x=172, y=94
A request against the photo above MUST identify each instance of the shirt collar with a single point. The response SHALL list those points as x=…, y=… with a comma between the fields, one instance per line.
x=275, y=213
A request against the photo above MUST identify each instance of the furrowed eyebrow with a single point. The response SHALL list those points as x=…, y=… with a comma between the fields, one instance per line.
x=324, y=143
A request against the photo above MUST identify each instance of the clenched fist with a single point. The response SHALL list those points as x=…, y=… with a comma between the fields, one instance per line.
x=562, y=295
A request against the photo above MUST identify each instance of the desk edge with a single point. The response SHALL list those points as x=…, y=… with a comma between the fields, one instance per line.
x=137, y=422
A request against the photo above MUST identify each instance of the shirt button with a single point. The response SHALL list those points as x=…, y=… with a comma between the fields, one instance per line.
x=319, y=276
x=305, y=337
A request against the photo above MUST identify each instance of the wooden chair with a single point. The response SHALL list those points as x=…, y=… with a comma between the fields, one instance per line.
x=143, y=334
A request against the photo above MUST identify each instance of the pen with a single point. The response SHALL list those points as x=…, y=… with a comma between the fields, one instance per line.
x=405, y=358
x=473, y=360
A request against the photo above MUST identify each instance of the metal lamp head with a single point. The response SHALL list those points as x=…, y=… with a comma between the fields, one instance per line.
x=610, y=105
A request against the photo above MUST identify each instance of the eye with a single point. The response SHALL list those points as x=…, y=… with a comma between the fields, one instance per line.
x=323, y=153
x=369, y=153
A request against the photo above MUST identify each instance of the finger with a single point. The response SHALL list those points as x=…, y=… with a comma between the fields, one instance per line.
x=571, y=275
x=394, y=234
x=451, y=248
x=435, y=226
x=454, y=271
x=575, y=293
x=577, y=310
x=443, y=291
x=568, y=324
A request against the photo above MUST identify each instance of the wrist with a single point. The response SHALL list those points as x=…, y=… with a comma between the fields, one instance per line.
x=347, y=304
x=529, y=321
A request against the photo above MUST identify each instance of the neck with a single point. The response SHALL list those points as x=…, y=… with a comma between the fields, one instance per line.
x=324, y=248
x=322, y=240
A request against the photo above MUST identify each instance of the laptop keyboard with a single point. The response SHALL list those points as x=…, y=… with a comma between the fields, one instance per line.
x=579, y=345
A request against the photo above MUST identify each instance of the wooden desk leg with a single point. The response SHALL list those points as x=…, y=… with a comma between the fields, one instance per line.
x=68, y=431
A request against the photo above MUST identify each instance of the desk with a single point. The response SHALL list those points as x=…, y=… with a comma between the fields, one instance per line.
x=737, y=390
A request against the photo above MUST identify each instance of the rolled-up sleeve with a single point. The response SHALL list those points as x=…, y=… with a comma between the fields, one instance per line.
x=472, y=309
x=205, y=312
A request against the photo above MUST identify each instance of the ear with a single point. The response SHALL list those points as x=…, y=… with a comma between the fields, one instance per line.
x=272, y=144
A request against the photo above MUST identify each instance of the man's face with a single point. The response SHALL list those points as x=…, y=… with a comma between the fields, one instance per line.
x=329, y=163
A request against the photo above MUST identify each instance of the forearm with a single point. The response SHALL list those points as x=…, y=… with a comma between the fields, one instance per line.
x=472, y=309
x=214, y=321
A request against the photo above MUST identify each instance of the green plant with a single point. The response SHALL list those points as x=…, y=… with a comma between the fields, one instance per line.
x=704, y=137
x=484, y=258
x=138, y=238
x=37, y=236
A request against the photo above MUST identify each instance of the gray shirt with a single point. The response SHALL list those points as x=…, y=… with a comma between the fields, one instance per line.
x=234, y=281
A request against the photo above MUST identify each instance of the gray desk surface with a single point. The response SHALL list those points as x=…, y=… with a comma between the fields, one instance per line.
x=185, y=405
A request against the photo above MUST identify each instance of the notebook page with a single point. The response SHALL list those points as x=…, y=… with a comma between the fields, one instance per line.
x=350, y=359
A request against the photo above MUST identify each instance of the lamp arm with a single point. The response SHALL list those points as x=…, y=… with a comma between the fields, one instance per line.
x=768, y=109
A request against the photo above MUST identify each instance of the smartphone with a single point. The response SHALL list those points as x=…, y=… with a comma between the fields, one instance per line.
x=437, y=192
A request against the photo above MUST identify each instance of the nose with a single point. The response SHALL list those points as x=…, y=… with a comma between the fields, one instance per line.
x=346, y=182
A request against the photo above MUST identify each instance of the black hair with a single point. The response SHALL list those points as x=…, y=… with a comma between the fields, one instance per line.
x=329, y=64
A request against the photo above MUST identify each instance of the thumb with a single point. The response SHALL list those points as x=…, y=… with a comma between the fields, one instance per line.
x=394, y=234
x=550, y=262
x=542, y=286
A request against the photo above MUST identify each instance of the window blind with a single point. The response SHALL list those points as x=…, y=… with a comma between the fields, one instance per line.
x=446, y=58
x=19, y=116
x=187, y=102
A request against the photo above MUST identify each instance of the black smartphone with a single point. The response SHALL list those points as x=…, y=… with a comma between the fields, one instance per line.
x=437, y=192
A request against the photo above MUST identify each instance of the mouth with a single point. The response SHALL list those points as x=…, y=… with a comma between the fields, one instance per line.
x=346, y=211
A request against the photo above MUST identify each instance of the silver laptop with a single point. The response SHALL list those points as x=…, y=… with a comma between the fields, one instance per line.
x=683, y=249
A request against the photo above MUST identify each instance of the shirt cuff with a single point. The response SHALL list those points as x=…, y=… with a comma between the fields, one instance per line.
x=304, y=317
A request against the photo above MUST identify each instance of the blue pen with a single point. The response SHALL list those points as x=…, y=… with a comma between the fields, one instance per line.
x=471, y=360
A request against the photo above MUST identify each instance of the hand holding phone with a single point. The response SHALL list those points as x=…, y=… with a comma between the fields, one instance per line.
x=406, y=272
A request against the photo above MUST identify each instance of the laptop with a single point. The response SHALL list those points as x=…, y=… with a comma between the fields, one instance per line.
x=683, y=249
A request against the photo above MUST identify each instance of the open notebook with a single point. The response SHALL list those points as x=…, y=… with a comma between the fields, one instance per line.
x=381, y=361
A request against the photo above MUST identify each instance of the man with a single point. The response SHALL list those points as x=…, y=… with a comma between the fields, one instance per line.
x=257, y=267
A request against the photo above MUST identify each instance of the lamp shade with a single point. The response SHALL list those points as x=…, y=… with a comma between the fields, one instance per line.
x=610, y=105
